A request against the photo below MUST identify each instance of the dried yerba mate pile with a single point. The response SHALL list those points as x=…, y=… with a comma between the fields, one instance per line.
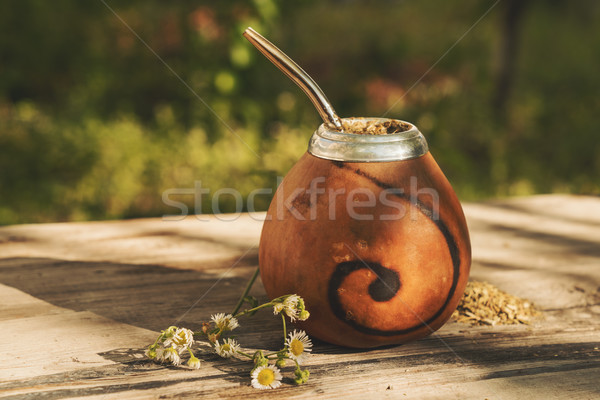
x=485, y=304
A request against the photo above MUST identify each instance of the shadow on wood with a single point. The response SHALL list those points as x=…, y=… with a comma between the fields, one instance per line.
x=147, y=296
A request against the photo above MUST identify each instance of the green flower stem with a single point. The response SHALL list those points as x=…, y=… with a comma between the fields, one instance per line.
x=269, y=304
x=248, y=287
x=284, y=330
x=276, y=354
x=245, y=354
x=158, y=338
x=281, y=298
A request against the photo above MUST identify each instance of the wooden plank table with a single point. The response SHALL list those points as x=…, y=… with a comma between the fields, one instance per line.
x=79, y=302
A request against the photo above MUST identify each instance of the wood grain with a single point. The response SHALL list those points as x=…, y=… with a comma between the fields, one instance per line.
x=80, y=301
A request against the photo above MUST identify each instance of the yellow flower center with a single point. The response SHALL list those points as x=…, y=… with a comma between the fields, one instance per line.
x=266, y=377
x=170, y=352
x=180, y=339
x=226, y=347
x=296, y=347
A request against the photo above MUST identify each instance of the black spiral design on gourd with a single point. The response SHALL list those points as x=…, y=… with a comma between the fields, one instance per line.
x=387, y=282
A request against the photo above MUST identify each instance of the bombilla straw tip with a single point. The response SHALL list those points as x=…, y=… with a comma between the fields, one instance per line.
x=296, y=74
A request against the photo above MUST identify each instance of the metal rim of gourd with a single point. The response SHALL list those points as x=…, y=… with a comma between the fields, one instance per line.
x=352, y=147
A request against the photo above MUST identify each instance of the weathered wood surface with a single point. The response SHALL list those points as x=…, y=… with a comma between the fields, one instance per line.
x=80, y=301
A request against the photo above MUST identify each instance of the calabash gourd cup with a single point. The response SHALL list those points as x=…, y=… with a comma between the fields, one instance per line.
x=367, y=229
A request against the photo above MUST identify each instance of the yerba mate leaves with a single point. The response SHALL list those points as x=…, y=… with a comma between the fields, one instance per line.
x=485, y=304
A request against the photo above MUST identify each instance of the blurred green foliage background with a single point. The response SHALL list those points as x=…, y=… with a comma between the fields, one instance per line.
x=93, y=125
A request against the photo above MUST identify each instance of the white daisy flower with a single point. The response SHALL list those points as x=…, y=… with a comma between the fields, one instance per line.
x=266, y=377
x=298, y=344
x=227, y=349
x=171, y=355
x=277, y=308
x=218, y=319
x=290, y=306
x=232, y=323
x=194, y=362
x=225, y=322
x=181, y=340
x=160, y=352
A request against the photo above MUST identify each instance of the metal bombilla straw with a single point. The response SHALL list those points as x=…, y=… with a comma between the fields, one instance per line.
x=296, y=74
